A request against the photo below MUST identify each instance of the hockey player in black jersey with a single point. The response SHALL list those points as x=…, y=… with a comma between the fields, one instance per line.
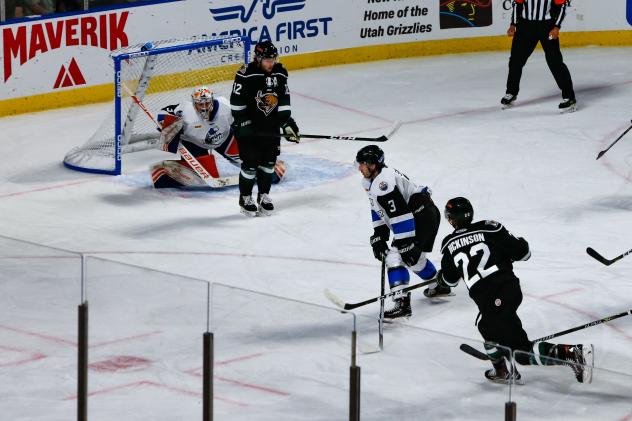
x=260, y=103
x=399, y=205
x=482, y=255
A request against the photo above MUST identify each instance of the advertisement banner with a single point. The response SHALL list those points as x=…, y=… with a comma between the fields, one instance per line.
x=49, y=55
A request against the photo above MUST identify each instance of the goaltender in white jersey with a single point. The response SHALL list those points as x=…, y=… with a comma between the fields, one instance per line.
x=202, y=125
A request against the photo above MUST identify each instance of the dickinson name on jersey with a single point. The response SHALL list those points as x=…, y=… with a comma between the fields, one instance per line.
x=465, y=241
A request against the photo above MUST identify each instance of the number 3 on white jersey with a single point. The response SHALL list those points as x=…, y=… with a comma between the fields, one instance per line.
x=482, y=272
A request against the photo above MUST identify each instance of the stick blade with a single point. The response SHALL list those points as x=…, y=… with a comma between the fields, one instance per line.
x=592, y=253
x=381, y=139
x=334, y=299
x=600, y=154
x=470, y=350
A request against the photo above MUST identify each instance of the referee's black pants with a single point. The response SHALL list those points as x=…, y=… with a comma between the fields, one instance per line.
x=526, y=38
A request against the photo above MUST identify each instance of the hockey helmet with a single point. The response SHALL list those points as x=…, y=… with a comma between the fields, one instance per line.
x=266, y=50
x=202, y=99
x=460, y=211
x=371, y=154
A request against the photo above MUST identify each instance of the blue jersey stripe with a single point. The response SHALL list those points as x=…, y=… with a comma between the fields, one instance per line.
x=374, y=216
x=404, y=226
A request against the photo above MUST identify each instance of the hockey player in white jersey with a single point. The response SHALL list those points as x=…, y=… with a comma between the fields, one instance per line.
x=201, y=125
x=400, y=206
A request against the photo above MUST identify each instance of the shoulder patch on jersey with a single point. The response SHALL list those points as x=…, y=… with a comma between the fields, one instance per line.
x=383, y=185
x=492, y=223
x=460, y=231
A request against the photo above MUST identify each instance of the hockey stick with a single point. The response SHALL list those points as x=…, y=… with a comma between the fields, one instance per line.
x=324, y=136
x=188, y=156
x=382, y=138
x=600, y=154
x=482, y=356
x=350, y=306
x=380, y=321
x=592, y=253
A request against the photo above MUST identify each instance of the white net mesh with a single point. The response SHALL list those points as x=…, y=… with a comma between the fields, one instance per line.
x=158, y=80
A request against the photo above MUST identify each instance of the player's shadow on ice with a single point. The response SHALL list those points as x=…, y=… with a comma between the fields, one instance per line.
x=585, y=96
x=615, y=203
x=612, y=203
x=177, y=225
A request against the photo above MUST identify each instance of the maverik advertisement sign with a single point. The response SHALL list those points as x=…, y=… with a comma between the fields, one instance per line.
x=26, y=42
x=284, y=22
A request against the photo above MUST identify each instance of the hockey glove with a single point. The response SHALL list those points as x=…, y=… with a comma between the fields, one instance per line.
x=290, y=130
x=169, y=135
x=380, y=247
x=243, y=129
x=410, y=253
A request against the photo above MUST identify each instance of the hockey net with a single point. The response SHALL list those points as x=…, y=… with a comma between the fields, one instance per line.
x=159, y=74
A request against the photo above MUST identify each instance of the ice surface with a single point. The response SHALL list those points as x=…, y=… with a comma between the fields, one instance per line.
x=528, y=167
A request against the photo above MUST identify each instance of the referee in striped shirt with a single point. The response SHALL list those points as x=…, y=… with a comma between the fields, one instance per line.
x=534, y=21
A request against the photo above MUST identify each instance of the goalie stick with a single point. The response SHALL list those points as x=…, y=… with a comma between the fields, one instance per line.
x=483, y=356
x=592, y=253
x=210, y=181
x=350, y=306
x=600, y=154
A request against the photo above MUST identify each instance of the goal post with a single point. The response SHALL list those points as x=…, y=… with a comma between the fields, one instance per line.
x=159, y=74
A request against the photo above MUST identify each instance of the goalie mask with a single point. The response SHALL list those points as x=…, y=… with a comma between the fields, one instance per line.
x=202, y=99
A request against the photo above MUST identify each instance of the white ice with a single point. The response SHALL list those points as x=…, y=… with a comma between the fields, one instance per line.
x=528, y=167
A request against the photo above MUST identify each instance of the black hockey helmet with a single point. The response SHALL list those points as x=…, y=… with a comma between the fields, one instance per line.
x=459, y=210
x=266, y=50
x=371, y=154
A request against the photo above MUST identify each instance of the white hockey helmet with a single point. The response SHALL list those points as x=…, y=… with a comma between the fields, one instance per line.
x=202, y=99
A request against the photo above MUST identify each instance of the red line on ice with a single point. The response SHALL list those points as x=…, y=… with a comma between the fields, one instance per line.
x=342, y=107
x=39, y=335
x=562, y=293
x=73, y=343
x=159, y=385
x=34, y=356
x=252, y=386
x=41, y=189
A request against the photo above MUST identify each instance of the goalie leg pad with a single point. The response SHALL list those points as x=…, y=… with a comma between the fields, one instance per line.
x=172, y=174
x=206, y=161
x=280, y=170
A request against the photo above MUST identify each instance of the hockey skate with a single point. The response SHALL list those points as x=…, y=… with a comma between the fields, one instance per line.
x=568, y=106
x=507, y=101
x=438, y=291
x=265, y=204
x=400, y=308
x=581, y=360
x=247, y=206
x=501, y=374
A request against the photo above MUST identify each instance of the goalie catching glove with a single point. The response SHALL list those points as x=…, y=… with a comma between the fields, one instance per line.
x=290, y=130
x=170, y=133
